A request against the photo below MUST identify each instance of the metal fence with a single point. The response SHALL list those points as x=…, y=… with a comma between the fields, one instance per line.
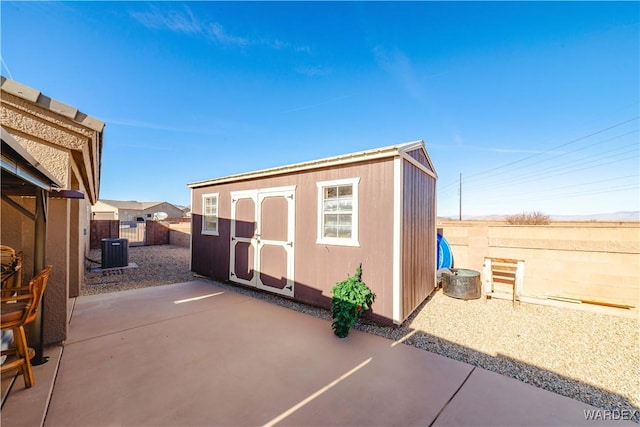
x=134, y=231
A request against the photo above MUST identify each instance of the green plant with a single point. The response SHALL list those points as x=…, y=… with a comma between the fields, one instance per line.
x=350, y=298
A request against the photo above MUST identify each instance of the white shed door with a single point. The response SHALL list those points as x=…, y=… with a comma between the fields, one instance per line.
x=243, y=237
x=262, y=239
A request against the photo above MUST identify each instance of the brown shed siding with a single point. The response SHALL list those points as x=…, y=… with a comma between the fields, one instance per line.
x=317, y=267
x=418, y=237
x=420, y=157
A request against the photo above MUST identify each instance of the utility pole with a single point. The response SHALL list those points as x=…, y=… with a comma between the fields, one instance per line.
x=460, y=199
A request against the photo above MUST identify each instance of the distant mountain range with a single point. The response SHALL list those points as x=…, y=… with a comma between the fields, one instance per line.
x=614, y=216
x=627, y=216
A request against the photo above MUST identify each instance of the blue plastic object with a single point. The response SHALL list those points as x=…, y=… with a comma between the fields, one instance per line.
x=445, y=256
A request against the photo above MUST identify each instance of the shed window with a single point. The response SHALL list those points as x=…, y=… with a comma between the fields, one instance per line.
x=338, y=212
x=210, y=214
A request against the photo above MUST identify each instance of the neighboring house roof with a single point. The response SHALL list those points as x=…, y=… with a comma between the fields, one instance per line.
x=377, y=153
x=129, y=204
x=133, y=204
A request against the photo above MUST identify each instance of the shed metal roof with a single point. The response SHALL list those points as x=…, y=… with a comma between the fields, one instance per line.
x=361, y=156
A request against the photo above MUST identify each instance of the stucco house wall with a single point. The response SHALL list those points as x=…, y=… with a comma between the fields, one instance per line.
x=68, y=143
x=102, y=210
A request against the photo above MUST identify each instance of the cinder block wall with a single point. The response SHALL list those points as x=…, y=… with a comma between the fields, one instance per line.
x=589, y=261
x=180, y=234
x=157, y=233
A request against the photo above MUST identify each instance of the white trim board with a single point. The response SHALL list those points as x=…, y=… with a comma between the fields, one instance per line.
x=397, y=240
x=377, y=153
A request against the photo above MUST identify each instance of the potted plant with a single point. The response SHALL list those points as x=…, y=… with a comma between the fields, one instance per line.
x=350, y=298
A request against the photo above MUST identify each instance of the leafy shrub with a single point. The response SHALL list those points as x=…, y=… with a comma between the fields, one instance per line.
x=528, y=218
x=351, y=298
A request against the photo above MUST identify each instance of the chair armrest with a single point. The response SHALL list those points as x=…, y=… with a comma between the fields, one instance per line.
x=16, y=298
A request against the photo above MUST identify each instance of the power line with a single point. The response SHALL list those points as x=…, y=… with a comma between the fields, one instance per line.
x=555, y=148
x=562, y=196
x=565, y=168
x=587, y=193
x=609, y=150
x=511, y=181
x=551, y=192
x=600, y=181
x=558, y=146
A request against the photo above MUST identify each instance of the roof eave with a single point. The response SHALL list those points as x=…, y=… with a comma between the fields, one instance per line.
x=36, y=97
x=357, y=157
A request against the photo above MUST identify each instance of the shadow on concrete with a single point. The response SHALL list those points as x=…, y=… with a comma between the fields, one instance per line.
x=500, y=363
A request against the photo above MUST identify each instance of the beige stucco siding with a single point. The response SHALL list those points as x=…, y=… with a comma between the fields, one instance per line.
x=68, y=144
x=45, y=130
x=41, y=112
x=55, y=134
x=101, y=210
x=55, y=160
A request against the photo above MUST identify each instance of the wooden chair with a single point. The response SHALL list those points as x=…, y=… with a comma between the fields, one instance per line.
x=17, y=311
x=12, y=275
x=503, y=272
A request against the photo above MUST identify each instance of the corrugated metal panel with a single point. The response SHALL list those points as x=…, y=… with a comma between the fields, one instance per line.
x=418, y=237
x=318, y=267
x=421, y=158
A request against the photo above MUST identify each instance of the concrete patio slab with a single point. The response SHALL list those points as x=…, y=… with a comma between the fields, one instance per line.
x=103, y=314
x=233, y=360
x=490, y=399
x=194, y=354
x=26, y=407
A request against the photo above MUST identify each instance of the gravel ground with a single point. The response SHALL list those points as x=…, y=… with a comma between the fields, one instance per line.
x=590, y=357
x=157, y=265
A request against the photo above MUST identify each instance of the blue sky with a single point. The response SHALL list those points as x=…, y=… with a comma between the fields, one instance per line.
x=535, y=104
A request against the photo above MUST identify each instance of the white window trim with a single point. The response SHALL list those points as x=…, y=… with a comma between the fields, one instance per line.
x=338, y=241
x=217, y=230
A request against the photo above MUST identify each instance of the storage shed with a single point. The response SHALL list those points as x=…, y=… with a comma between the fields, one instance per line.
x=297, y=230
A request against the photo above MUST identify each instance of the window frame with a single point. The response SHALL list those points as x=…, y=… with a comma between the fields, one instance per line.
x=211, y=232
x=338, y=241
